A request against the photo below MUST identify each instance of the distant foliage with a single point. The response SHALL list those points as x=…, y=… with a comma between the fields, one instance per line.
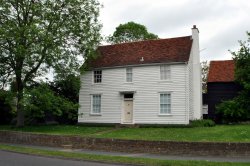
x=68, y=87
x=41, y=104
x=204, y=74
x=130, y=32
x=202, y=123
x=238, y=109
x=7, y=110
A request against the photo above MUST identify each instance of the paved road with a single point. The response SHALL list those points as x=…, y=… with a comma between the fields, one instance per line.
x=16, y=159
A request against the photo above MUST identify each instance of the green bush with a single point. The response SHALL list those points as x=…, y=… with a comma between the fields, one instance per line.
x=7, y=103
x=41, y=104
x=231, y=111
x=202, y=123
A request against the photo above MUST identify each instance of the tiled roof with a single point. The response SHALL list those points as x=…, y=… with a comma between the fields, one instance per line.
x=221, y=71
x=152, y=51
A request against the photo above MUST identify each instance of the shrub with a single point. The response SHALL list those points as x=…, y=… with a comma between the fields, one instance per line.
x=7, y=110
x=41, y=104
x=231, y=111
x=202, y=123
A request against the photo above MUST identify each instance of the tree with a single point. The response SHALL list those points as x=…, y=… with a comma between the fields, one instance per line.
x=67, y=87
x=37, y=35
x=129, y=32
x=204, y=73
x=242, y=76
x=42, y=104
x=238, y=109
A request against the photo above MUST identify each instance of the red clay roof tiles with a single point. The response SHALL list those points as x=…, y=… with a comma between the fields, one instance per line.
x=221, y=71
x=152, y=51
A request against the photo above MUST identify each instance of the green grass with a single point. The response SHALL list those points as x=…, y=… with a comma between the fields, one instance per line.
x=219, y=133
x=113, y=159
x=59, y=129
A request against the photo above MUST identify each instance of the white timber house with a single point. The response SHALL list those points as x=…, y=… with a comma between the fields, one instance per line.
x=146, y=82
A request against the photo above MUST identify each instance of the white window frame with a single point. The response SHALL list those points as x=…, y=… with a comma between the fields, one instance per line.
x=96, y=75
x=129, y=71
x=92, y=104
x=167, y=103
x=165, y=72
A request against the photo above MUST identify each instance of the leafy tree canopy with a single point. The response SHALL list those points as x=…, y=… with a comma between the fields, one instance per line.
x=42, y=104
x=238, y=109
x=37, y=35
x=242, y=73
x=130, y=32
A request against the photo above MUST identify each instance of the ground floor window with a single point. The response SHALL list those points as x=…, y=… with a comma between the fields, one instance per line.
x=96, y=104
x=165, y=103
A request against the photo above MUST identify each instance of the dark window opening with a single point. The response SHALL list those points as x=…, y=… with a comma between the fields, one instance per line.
x=128, y=96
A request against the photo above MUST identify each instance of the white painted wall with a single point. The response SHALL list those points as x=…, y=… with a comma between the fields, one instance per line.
x=195, y=78
x=147, y=84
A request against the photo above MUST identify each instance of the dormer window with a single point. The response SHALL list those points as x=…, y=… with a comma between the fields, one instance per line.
x=165, y=72
x=97, y=76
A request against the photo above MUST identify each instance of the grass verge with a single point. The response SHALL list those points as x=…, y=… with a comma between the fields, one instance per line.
x=59, y=129
x=113, y=159
x=219, y=133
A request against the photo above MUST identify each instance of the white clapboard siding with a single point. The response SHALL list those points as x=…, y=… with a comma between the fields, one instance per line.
x=147, y=86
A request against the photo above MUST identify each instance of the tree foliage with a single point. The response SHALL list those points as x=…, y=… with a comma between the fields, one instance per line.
x=204, y=74
x=42, y=104
x=37, y=35
x=67, y=87
x=130, y=32
x=238, y=109
x=7, y=110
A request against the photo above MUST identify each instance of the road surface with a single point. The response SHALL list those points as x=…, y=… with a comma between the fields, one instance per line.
x=16, y=159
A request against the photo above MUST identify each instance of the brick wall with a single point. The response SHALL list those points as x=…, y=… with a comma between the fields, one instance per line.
x=160, y=147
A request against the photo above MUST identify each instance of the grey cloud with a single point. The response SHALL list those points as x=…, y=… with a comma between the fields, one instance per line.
x=217, y=20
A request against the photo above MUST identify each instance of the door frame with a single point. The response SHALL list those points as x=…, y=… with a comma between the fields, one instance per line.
x=123, y=110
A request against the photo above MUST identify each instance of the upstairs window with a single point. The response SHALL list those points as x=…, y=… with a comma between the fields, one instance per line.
x=97, y=76
x=165, y=103
x=165, y=72
x=129, y=74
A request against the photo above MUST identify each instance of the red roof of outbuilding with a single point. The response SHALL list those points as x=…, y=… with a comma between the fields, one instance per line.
x=152, y=51
x=221, y=71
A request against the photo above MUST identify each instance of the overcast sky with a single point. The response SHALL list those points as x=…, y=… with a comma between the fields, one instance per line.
x=222, y=23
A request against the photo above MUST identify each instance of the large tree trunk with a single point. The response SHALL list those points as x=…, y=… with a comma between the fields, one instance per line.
x=20, y=111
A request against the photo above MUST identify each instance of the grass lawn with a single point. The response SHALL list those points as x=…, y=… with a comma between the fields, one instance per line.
x=114, y=159
x=59, y=129
x=219, y=133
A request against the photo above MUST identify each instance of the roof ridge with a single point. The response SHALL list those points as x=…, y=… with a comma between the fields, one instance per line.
x=143, y=41
x=221, y=60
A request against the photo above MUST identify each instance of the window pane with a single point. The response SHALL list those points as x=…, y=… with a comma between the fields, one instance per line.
x=165, y=72
x=165, y=103
x=97, y=76
x=129, y=75
x=96, y=104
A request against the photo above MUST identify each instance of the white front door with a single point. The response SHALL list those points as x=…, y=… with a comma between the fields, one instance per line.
x=128, y=111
